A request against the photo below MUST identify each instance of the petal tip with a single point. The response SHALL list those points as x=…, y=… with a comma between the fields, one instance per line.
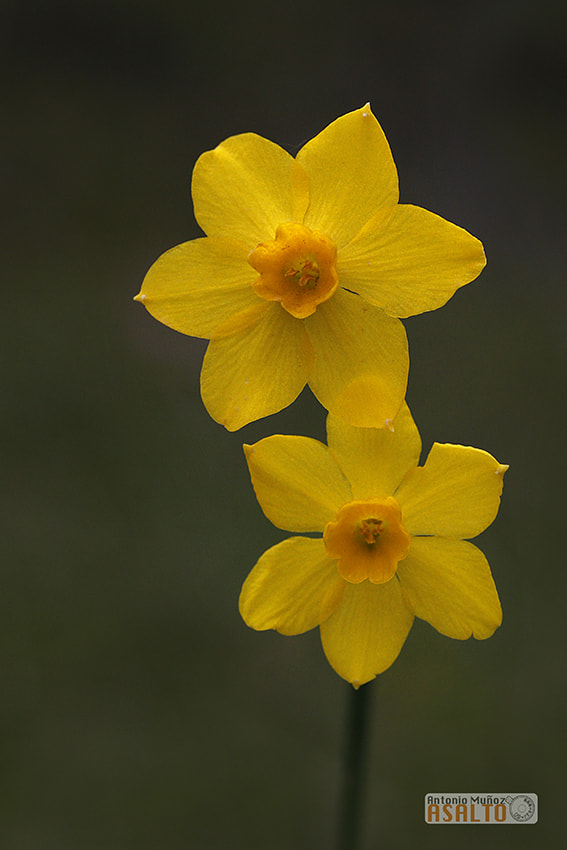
x=486, y=631
x=141, y=297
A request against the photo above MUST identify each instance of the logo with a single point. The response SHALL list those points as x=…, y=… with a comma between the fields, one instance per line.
x=522, y=807
x=443, y=808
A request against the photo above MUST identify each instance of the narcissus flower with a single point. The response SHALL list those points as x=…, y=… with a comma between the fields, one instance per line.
x=307, y=264
x=394, y=541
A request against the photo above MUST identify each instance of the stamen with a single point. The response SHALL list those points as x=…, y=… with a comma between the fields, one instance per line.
x=306, y=275
x=370, y=529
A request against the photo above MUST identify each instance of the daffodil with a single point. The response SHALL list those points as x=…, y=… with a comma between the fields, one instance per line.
x=394, y=545
x=307, y=266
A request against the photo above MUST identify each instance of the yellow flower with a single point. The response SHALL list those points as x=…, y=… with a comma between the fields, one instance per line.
x=306, y=266
x=394, y=541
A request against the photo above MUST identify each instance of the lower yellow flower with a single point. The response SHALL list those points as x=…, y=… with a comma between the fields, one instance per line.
x=394, y=542
x=308, y=264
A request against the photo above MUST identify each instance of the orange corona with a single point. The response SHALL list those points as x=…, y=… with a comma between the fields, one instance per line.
x=297, y=268
x=368, y=539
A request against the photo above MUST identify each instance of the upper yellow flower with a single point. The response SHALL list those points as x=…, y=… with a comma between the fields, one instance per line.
x=305, y=266
x=393, y=543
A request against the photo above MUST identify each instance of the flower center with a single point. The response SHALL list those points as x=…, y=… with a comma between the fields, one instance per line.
x=306, y=275
x=368, y=539
x=297, y=268
x=369, y=529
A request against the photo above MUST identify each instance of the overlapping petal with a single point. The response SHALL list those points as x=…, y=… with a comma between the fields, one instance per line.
x=293, y=587
x=198, y=285
x=366, y=631
x=246, y=187
x=449, y=584
x=255, y=365
x=375, y=460
x=351, y=175
x=297, y=482
x=361, y=360
x=455, y=494
x=410, y=262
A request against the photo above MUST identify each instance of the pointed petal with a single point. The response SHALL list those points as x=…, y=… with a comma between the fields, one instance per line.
x=375, y=459
x=455, y=494
x=255, y=368
x=411, y=262
x=246, y=187
x=196, y=286
x=351, y=175
x=293, y=588
x=449, y=584
x=367, y=630
x=361, y=360
x=297, y=482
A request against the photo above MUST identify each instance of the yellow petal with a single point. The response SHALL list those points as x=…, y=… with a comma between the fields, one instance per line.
x=196, y=286
x=351, y=175
x=365, y=633
x=246, y=187
x=257, y=369
x=293, y=588
x=297, y=482
x=449, y=584
x=412, y=262
x=455, y=494
x=361, y=360
x=375, y=459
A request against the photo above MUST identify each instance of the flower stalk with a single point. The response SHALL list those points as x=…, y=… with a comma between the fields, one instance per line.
x=354, y=768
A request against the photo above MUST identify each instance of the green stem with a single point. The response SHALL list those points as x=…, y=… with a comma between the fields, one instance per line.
x=356, y=745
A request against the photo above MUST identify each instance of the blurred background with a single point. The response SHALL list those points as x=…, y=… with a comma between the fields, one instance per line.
x=136, y=709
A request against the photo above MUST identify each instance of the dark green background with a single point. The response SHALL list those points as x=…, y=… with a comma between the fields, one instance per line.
x=136, y=709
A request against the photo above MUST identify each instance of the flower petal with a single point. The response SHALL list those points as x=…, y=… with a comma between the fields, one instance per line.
x=293, y=588
x=375, y=459
x=411, y=262
x=367, y=630
x=449, y=584
x=297, y=482
x=255, y=368
x=455, y=494
x=246, y=187
x=351, y=175
x=361, y=362
x=196, y=286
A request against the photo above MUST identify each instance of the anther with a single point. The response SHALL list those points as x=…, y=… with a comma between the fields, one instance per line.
x=307, y=274
x=370, y=529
